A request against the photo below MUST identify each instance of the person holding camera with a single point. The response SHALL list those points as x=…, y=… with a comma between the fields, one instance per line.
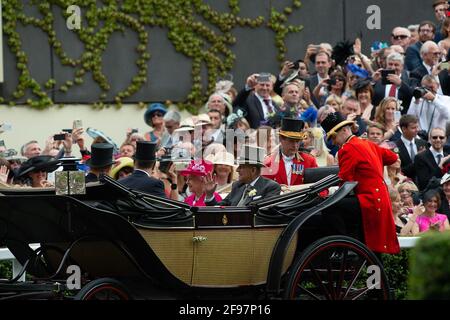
x=430, y=107
x=335, y=85
x=392, y=82
x=323, y=65
x=255, y=100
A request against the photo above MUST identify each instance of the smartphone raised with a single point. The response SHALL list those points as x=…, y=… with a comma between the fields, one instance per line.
x=444, y=66
x=384, y=74
x=397, y=116
x=67, y=130
x=263, y=77
x=59, y=137
x=77, y=124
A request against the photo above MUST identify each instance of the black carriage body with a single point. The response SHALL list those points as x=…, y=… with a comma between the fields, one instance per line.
x=169, y=250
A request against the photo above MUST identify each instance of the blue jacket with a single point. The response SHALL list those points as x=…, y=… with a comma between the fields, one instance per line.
x=139, y=181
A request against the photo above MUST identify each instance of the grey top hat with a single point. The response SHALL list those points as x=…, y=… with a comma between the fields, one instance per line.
x=252, y=155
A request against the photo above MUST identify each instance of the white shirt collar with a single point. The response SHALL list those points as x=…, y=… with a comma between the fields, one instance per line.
x=143, y=171
x=429, y=68
x=406, y=142
x=254, y=181
x=435, y=152
x=262, y=99
x=286, y=158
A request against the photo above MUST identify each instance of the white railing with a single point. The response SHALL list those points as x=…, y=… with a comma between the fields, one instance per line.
x=407, y=242
x=6, y=255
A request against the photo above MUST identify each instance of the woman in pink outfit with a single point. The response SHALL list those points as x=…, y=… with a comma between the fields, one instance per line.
x=425, y=218
x=196, y=173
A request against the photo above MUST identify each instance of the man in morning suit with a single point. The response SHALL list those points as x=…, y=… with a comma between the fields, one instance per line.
x=409, y=145
x=255, y=100
x=250, y=186
x=399, y=83
x=141, y=179
x=427, y=163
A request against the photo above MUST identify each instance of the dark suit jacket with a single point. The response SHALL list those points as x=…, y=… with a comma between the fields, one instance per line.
x=405, y=92
x=312, y=83
x=426, y=168
x=413, y=59
x=139, y=181
x=444, y=209
x=407, y=162
x=248, y=102
x=90, y=177
x=265, y=188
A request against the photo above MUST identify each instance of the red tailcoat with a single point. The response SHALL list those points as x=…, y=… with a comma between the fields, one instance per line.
x=277, y=171
x=363, y=161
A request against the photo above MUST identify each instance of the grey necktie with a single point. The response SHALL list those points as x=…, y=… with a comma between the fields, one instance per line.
x=439, y=158
x=413, y=154
x=244, y=196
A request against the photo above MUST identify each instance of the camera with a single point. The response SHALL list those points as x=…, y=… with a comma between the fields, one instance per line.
x=164, y=165
x=59, y=137
x=134, y=131
x=419, y=92
x=296, y=65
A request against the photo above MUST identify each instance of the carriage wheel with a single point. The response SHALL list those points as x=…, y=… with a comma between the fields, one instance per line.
x=337, y=268
x=103, y=289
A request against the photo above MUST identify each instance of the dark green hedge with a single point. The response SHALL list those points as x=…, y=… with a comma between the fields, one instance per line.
x=5, y=269
x=397, y=271
x=430, y=268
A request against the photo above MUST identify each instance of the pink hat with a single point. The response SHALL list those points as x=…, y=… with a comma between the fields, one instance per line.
x=198, y=168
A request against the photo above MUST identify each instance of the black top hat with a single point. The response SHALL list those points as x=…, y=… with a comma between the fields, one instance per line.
x=101, y=155
x=145, y=151
x=252, y=155
x=292, y=128
x=39, y=163
x=333, y=123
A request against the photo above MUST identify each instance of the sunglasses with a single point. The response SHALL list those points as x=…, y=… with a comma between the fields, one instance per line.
x=157, y=114
x=438, y=137
x=400, y=37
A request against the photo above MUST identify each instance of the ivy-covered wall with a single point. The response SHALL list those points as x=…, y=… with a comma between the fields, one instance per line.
x=153, y=50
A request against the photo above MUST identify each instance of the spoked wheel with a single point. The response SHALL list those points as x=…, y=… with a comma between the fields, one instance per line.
x=337, y=268
x=103, y=289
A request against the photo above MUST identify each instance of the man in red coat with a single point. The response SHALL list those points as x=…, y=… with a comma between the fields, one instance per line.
x=287, y=165
x=363, y=161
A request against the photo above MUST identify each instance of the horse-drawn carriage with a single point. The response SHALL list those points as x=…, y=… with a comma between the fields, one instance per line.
x=129, y=245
